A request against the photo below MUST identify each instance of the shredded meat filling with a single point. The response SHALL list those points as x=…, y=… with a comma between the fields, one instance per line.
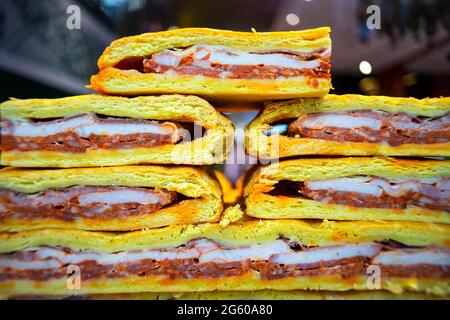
x=223, y=62
x=372, y=126
x=76, y=202
x=80, y=133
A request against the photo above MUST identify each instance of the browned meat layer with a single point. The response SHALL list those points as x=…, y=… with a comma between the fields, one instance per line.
x=64, y=204
x=191, y=268
x=396, y=128
x=191, y=63
x=430, y=198
x=360, y=200
x=238, y=71
x=71, y=141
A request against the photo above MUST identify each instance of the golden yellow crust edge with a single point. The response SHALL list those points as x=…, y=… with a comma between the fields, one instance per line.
x=265, y=206
x=192, y=182
x=173, y=107
x=246, y=282
x=148, y=43
x=125, y=82
x=251, y=295
x=241, y=233
x=259, y=145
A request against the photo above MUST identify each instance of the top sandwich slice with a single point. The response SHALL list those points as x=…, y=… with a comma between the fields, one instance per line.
x=97, y=130
x=218, y=64
x=351, y=125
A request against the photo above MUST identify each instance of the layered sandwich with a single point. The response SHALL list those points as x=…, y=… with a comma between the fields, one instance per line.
x=218, y=64
x=352, y=125
x=244, y=256
x=109, y=198
x=351, y=189
x=96, y=130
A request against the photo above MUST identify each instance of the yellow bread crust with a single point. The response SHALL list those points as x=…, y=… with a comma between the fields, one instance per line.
x=270, y=295
x=149, y=43
x=262, y=205
x=205, y=205
x=126, y=82
x=254, y=295
x=244, y=232
x=209, y=149
x=259, y=145
x=249, y=281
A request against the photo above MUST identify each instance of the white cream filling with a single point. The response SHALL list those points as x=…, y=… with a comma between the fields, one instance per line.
x=51, y=257
x=86, y=197
x=376, y=187
x=118, y=196
x=414, y=256
x=228, y=56
x=347, y=121
x=327, y=254
x=84, y=126
x=254, y=252
x=340, y=121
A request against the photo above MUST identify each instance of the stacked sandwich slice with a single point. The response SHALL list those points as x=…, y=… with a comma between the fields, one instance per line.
x=244, y=256
x=218, y=64
x=352, y=125
x=97, y=130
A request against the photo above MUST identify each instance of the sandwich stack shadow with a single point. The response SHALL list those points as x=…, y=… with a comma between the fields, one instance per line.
x=126, y=164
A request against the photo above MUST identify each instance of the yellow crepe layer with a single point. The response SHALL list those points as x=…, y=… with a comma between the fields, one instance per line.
x=130, y=82
x=279, y=146
x=277, y=295
x=243, y=232
x=263, y=205
x=252, y=295
x=204, y=203
x=212, y=148
x=249, y=281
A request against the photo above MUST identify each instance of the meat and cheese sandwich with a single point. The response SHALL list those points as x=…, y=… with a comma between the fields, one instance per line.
x=109, y=198
x=244, y=256
x=96, y=130
x=352, y=125
x=218, y=64
x=351, y=189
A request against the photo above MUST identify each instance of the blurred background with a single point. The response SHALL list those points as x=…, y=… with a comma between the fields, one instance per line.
x=409, y=55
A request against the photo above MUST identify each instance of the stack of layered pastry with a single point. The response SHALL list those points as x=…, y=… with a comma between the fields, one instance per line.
x=124, y=214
